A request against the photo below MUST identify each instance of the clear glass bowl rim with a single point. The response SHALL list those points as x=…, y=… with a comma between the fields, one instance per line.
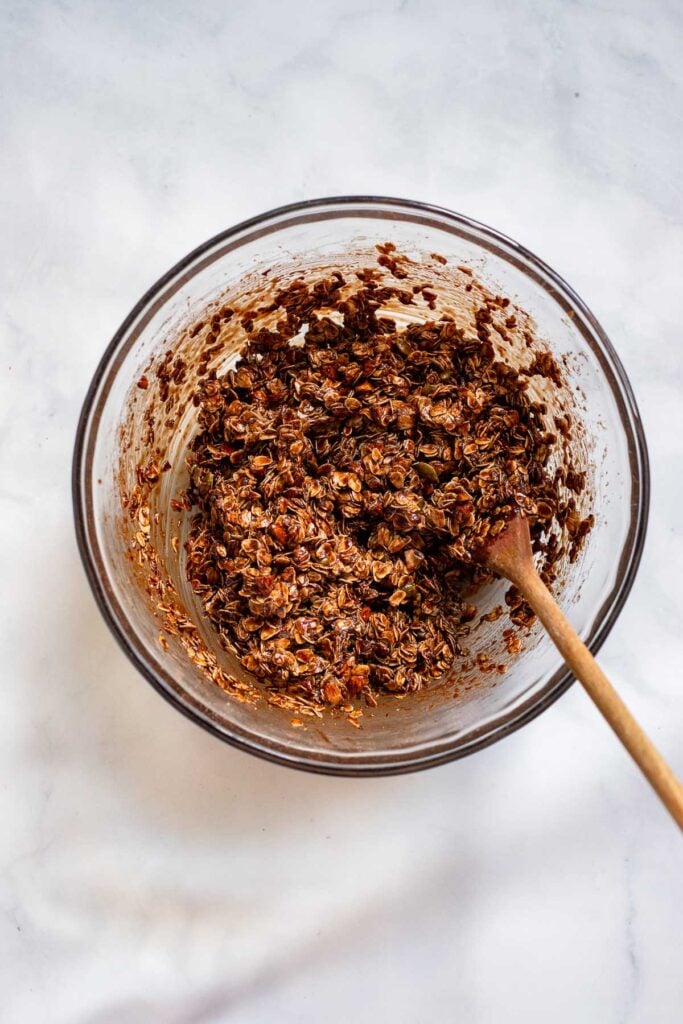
x=630, y=417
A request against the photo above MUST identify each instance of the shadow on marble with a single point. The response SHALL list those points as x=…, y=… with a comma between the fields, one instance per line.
x=92, y=711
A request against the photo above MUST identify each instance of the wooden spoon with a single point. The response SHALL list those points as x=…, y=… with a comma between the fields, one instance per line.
x=510, y=555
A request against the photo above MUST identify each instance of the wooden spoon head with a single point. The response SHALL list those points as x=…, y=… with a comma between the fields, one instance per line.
x=509, y=554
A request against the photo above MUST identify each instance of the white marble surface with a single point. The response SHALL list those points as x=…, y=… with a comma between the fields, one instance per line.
x=149, y=873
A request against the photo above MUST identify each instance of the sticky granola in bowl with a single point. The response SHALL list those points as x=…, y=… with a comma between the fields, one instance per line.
x=291, y=445
x=343, y=470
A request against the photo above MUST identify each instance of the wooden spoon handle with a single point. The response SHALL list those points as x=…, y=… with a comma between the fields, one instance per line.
x=588, y=672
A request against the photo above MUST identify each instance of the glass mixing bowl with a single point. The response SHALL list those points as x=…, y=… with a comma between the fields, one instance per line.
x=432, y=727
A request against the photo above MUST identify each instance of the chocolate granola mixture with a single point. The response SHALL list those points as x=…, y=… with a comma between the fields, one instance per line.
x=343, y=474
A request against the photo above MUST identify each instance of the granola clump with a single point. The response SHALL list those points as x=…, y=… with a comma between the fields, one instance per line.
x=343, y=473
